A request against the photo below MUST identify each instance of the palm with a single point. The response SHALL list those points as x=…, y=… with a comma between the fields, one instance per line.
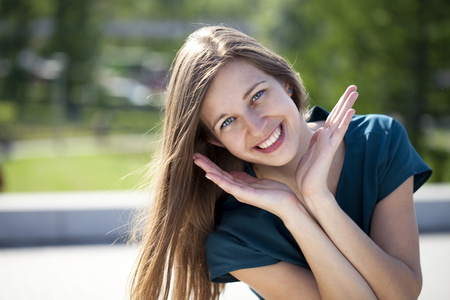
x=266, y=194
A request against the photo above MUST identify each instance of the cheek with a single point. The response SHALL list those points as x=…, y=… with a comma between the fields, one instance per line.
x=282, y=104
x=233, y=141
x=235, y=144
x=291, y=104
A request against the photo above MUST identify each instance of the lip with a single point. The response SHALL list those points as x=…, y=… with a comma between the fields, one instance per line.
x=276, y=145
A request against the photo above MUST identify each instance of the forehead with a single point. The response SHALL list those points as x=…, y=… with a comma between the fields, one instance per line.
x=238, y=73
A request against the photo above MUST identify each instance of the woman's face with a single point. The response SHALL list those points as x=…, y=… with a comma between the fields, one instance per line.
x=252, y=115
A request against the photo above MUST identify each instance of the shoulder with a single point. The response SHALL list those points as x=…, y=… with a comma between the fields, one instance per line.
x=375, y=124
x=360, y=124
x=389, y=152
x=383, y=138
x=380, y=135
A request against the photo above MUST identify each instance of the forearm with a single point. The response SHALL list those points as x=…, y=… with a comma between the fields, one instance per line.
x=388, y=277
x=335, y=276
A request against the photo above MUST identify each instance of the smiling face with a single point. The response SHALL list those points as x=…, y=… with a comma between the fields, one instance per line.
x=252, y=115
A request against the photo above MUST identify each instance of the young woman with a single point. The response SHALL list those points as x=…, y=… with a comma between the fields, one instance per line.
x=297, y=204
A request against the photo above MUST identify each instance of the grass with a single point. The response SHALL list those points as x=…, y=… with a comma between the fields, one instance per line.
x=73, y=173
x=77, y=173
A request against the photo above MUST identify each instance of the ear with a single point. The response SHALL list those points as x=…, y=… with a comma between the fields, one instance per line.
x=288, y=89
x=213, y=140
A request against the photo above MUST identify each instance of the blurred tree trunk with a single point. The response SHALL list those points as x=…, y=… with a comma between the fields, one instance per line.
x=77, y=34
x=15, y=38
x=421, y=75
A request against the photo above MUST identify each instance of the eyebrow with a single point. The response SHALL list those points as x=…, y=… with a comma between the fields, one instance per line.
x=251, y=89
x=246, y=94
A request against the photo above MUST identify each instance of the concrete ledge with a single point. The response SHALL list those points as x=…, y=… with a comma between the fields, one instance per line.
x=432, y=204
x=30, y=219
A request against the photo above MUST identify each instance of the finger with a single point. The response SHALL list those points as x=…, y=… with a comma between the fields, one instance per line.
x=234, y=177
x=339, y=133
x=347, y=105
x=208, y=166
x=220, y=181
x=236, y=188
x=314, y=138
x=339, y=116
x=333, y=135
x=204, y=162
x=201, y=156
x=339, y=106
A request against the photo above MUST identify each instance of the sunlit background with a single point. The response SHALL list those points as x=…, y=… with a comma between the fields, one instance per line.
x=82, y=86
x=82, y=82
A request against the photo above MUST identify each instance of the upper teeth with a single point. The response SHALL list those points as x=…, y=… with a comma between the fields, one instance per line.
x=272, y=139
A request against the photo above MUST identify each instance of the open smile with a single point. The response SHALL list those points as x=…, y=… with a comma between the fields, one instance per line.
x=273, y=141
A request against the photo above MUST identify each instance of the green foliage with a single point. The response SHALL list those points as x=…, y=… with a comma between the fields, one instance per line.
x=199, y=10
x=392, y=52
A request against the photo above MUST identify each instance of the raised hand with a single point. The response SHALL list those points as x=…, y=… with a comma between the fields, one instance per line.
x=270, y=195
x=313, y=169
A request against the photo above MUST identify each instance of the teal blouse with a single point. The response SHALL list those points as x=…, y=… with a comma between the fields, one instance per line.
x=378, y=159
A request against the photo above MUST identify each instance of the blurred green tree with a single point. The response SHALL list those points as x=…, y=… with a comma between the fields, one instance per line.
x=391, y=51
x=396, y=53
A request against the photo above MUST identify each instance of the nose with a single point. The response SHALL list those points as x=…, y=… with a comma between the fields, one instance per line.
x=255, y=123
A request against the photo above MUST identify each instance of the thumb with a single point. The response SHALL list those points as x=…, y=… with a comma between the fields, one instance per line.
x=314, y=138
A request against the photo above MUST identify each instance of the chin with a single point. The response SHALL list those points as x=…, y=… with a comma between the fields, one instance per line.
x=280, y=161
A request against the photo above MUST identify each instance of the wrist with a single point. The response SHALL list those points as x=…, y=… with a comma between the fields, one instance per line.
x=319, y=201
x=297, y=213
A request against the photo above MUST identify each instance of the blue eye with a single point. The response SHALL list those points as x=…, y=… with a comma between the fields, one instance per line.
x=227, y=122
x=257, y=95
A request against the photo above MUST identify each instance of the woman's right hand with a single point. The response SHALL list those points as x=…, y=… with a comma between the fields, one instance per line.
x=267, y=194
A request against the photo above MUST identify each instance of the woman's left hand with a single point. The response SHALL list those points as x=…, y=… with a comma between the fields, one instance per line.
x=313, y=169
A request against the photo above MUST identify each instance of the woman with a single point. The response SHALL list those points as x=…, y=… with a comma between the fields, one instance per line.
x=297, y=205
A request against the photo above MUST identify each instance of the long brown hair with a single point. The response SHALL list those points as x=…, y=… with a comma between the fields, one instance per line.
x=172, y=261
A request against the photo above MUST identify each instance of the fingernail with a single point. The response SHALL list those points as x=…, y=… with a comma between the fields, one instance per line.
x=207, y=176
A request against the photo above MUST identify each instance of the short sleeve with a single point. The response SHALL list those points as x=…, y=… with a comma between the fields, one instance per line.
x=400, y=162
x=226, y=253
